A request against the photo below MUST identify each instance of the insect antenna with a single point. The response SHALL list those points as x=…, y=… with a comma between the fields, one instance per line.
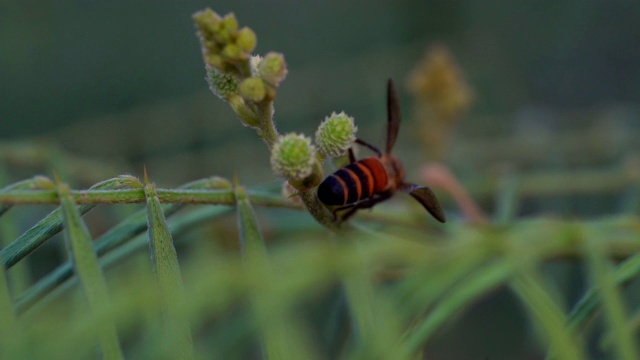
x=371, y=147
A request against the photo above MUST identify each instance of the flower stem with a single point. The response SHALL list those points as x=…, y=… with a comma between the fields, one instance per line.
x=267, y=128
x=318, y=211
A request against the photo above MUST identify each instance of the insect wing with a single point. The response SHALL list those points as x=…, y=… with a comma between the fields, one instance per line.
x=428, y=199
x=393, y=116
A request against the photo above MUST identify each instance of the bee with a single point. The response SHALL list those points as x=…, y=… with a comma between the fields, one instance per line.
x=364, y=183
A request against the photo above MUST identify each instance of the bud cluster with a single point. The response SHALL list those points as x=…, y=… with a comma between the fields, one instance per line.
x=224, y=46
x=295, y=158
x=438, y=81
x=267, y=74
x=442, y=97
x=247, y=83
x=232, y=69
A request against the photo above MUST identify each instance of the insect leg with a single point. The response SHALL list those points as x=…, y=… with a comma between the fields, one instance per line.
x=364, y=204
x=373, y=148
x=352, y=156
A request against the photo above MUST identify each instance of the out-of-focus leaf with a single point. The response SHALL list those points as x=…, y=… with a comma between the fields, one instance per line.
x=61, y=279
x=19, y=278
x=85, y=264
x=480, y=282
x=550, y=317
x=376, y=323
x=115, y=237
x=588, y=304
x=168, y=278
x=52, y=224
x=283, y=336
x=614, y=313
x=10, y=332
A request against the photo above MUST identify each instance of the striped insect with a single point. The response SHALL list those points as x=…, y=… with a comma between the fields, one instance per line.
x=364, y=183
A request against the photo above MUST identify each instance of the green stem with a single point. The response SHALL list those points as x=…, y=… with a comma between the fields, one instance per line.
x=318, y=210
x=267, y=128
x=133, y=196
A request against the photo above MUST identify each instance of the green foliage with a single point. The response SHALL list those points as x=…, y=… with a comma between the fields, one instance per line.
x=85, y=265
x=438, y=281
x=160, y=283
x=168, y=278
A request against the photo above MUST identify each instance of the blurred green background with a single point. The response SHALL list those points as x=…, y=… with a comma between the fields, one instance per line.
x=114, y=85
x=123, y=81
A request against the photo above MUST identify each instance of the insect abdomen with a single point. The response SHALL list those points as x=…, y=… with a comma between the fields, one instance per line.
x=354, y=182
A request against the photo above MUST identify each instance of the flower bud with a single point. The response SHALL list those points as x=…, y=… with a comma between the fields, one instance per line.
x=230, y=22
x=214, y=61
x=225, y=29
x=273, y=69
x=252, y=89
x=206, y=21
x=293, y=157
x=246, y=40
x=224, y=46
x=223, y=85
x=231, y=51
x=336, y=135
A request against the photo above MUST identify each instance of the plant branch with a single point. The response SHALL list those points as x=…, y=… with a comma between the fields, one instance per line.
x=267, y=129
x=318, y=210
x=134, y=196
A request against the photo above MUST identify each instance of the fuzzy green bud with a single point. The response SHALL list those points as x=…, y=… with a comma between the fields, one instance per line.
x=231, y=51
x=207, y=22
x=293, y=157
x=223, y=85
x=224, y=46
x=246, y=40
x=225, y=29
x=230, y=22
x=253, y=89
x=336, y=134
x=214, y=61
x=273, y=69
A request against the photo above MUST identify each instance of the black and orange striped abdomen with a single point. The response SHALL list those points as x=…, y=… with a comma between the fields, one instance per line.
x=354, y=182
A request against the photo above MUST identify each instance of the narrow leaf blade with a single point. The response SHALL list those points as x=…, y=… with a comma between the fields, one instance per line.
x=52, y=224
x=283, y=336
x=613, y=309
x=85, y=263
x=168, y=278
